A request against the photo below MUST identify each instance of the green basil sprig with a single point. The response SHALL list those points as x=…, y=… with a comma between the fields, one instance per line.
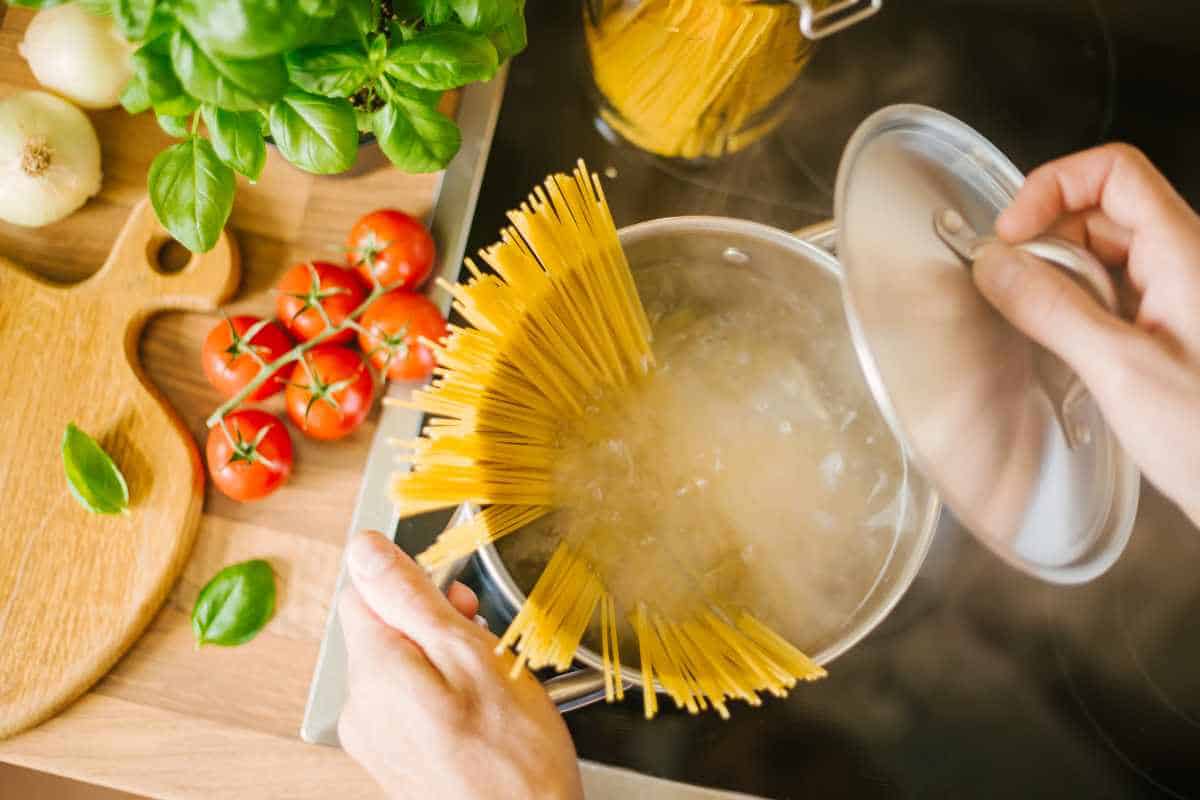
x=92, y=476
x=235, y=605
x=313, y=75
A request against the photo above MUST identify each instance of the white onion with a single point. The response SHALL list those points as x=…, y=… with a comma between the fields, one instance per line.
x=49, y=159
x=78, y=54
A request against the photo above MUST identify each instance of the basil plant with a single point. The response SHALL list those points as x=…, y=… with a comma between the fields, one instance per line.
x=313, y=75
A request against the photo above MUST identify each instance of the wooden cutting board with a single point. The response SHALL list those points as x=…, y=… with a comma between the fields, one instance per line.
x=77, y=588
x=142, y=725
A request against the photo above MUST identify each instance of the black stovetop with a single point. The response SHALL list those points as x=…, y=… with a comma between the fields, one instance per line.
x=982, y=683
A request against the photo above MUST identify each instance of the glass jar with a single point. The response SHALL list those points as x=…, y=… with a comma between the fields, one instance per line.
x=697, y=79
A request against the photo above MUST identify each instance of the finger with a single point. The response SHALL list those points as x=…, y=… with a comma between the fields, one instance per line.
x=463, y=599
x=1116, y=178
x=375, y=647
x=1047, y=306
x=400, y=593
x=1095, y=231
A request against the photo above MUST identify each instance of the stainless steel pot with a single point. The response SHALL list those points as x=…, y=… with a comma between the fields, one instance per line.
x=985, y=418
x=749, y=246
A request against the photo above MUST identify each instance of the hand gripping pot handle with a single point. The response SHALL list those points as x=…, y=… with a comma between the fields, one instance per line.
x=569, y=691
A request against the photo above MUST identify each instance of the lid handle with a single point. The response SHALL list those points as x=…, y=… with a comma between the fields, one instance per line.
x=839, y=16
x=1066, y=391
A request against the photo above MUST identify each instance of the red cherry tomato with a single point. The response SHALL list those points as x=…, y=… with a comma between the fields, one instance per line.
x=305, y=286
x=392, y=245
x=237, y=348
x=394, y=325
x=250, y=456
x=330, y=392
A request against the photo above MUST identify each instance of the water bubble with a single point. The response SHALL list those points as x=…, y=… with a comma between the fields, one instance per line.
x=831, y=468
x=735, y=256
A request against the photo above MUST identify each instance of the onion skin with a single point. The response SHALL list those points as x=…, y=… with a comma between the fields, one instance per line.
x=49, y=159
x=78, y=55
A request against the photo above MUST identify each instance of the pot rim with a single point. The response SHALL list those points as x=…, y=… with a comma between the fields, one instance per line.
x=514, y=598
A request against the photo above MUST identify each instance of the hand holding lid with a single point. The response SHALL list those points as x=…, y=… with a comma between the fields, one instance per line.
x=1064, y=388
x=1011, y=439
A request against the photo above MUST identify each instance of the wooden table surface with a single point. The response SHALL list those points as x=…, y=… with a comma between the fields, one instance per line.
x=171, y=721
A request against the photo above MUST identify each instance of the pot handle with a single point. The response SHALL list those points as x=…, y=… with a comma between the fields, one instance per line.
x=569, y=691
x=821, y=234
x=838, y=16
x=576, y=689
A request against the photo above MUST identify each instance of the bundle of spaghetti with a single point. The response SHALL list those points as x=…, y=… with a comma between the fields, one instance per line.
x=550, y=625
x=695, y=78
x=704, y=660
x=556, y=328
x=701, y=661
x=560, y=340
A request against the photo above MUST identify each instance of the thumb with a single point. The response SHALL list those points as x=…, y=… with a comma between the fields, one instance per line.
x=398, y=590
x=1046, y=304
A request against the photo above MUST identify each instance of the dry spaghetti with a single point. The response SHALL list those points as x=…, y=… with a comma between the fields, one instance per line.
x=695, y=78
x=559, y=339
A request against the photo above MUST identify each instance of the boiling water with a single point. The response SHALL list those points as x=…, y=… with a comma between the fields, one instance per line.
x=752, y=467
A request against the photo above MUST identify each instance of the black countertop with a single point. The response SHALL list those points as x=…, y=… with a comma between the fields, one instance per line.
x=982, y=683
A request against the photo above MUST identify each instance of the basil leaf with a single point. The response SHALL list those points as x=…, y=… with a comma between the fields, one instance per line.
x=437, y=11
x=152, y=66
x=377, y=52
x=235, y=605
x=133, y=17
x=415, y=137
x=485, y=15
x=192, y=193
x=426, y=97
x=328, y=70
x=36, y=3
x=365, y=14
x=317, y=134
x=443, y=59
x=93, y=478
x=319, y=8
x=511, y=37
x=247, y=28
x=235, y=85
x=237, y=139
x=179, y=127
x=101, y=8
x=135, y=99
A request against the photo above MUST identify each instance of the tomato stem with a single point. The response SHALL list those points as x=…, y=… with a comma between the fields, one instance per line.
x=295, y=354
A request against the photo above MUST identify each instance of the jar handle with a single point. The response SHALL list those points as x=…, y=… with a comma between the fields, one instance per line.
x=839, y=16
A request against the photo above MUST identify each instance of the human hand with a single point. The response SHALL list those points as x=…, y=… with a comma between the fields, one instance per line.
x=431, y=711
x=1144, y=374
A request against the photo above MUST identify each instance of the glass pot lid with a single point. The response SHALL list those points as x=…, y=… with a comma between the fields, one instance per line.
x=1008, y=435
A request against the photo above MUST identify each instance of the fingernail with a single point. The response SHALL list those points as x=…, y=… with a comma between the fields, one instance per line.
x=369, y=554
